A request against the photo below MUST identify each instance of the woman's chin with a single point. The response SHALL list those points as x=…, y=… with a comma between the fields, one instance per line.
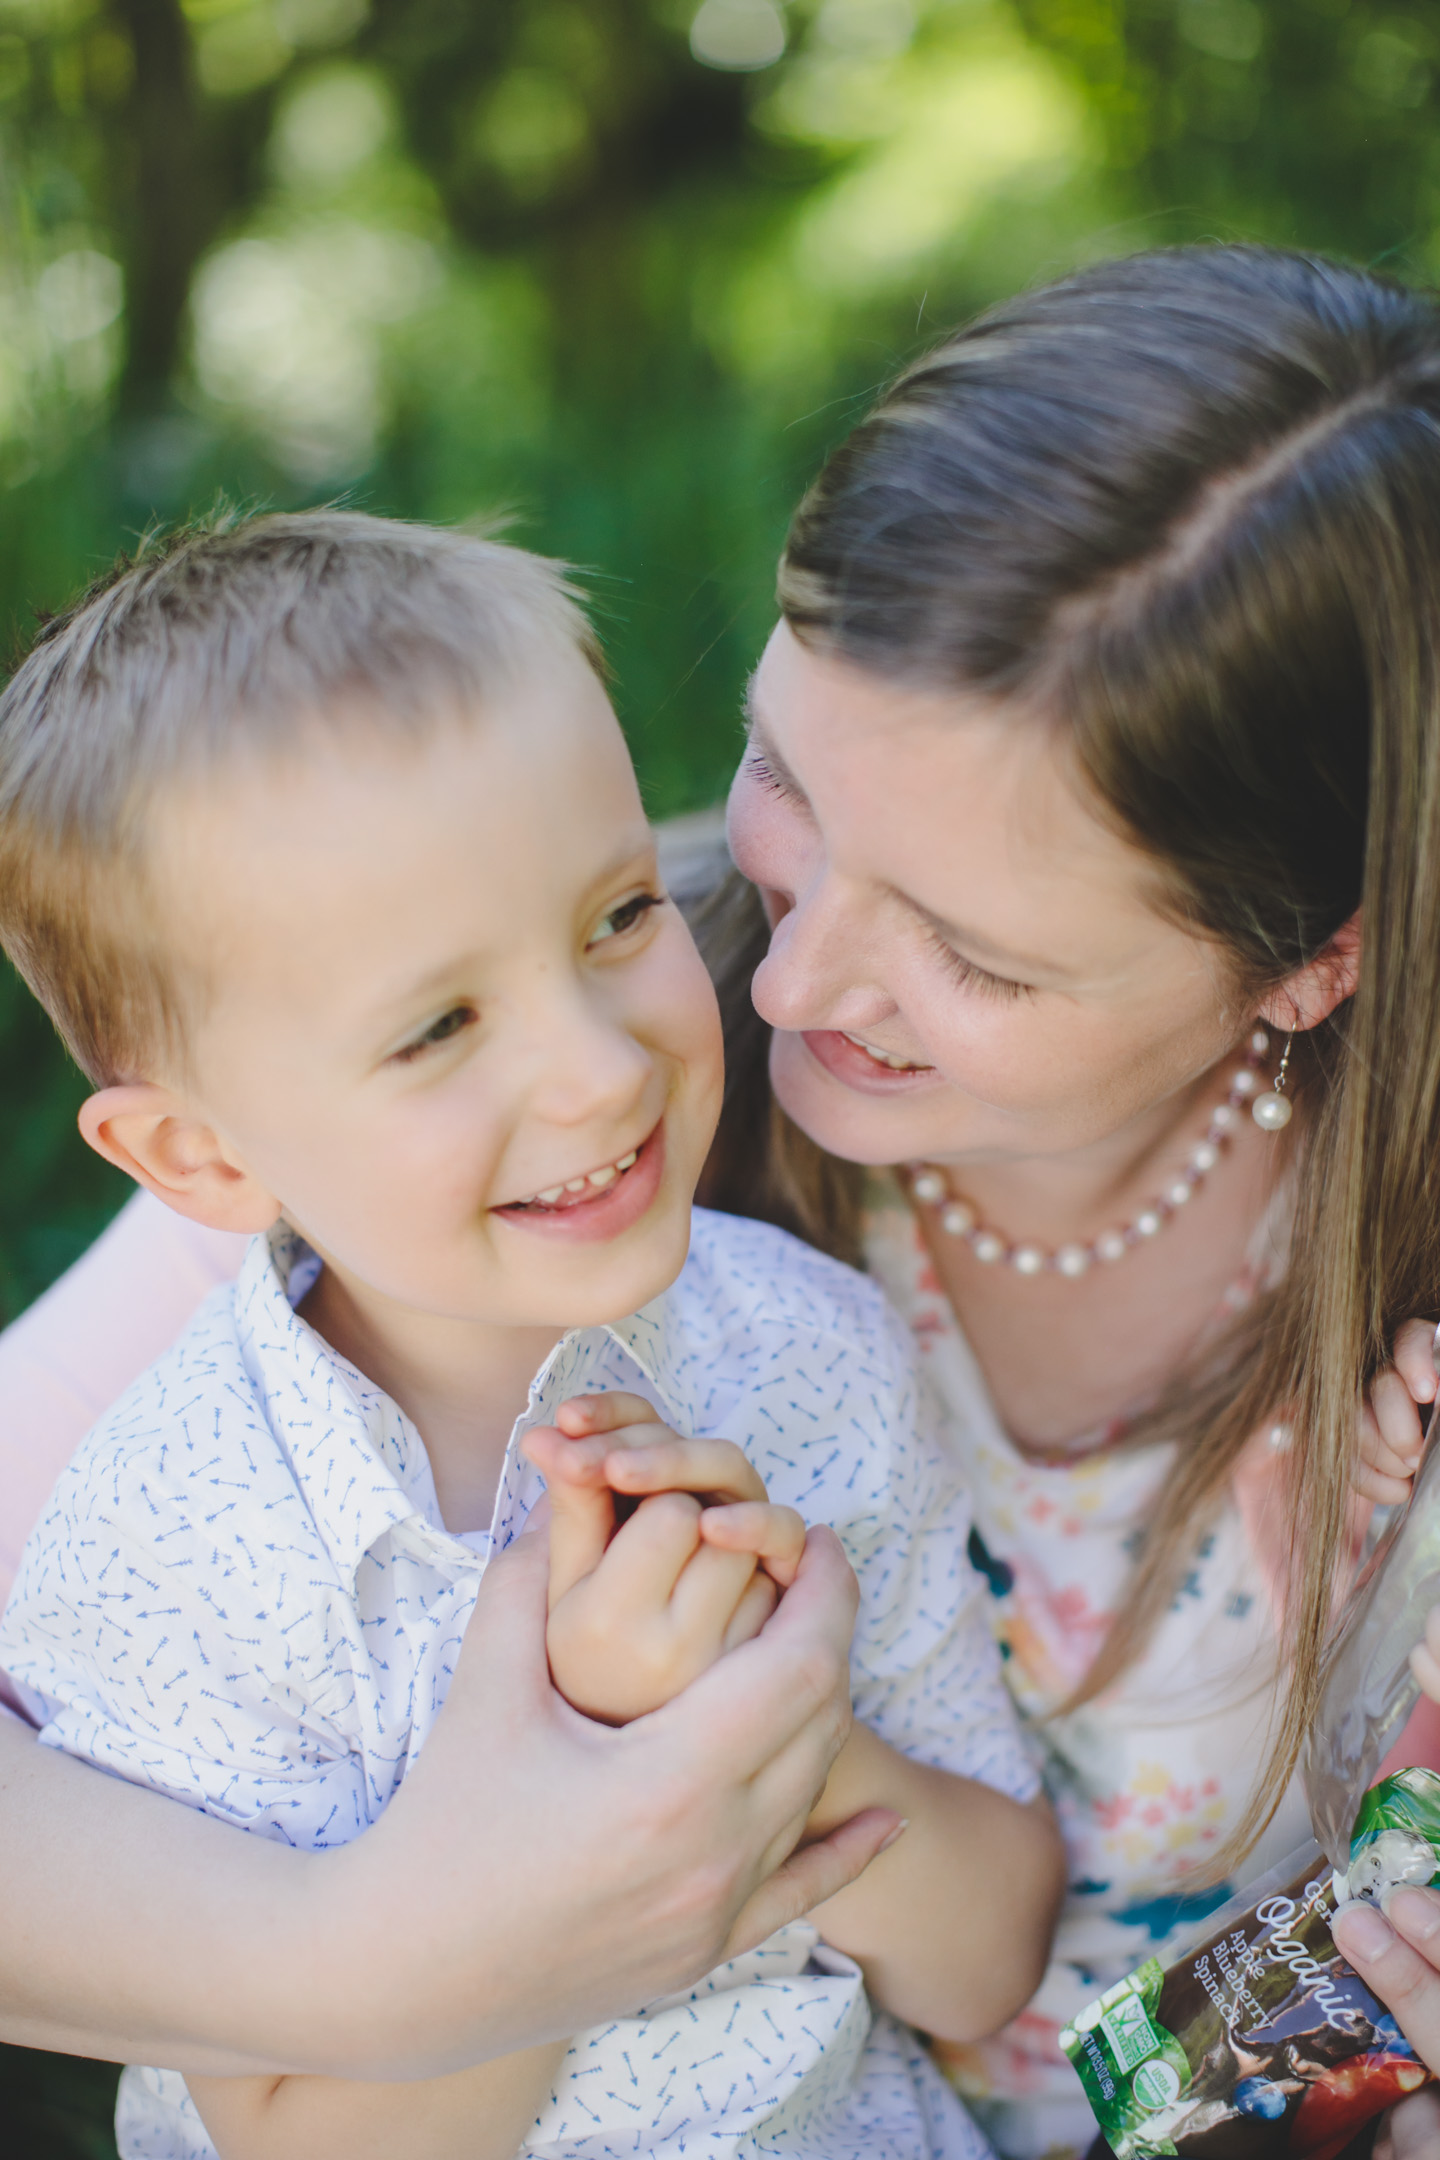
x=862, y=1116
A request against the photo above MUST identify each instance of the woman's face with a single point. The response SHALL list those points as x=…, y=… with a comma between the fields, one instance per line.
x=966, y=965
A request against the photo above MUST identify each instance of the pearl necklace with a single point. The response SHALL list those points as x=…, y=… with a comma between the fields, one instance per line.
x=959, y=1218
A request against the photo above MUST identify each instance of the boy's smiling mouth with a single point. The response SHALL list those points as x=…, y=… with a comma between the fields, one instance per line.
x=600, y=1203
x=578, y=1189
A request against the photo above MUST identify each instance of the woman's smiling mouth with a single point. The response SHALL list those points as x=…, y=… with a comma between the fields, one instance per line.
x=858, y=1064
x=885, y=1057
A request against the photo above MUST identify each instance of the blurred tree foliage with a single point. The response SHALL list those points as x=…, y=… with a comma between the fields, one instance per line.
x=620, y=269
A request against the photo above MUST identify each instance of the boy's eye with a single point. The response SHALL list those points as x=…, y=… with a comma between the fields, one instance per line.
x=439, y=1031
x=625, y=917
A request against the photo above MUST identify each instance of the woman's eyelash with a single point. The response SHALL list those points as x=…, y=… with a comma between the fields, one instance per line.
x=449, y=1024
x=765, y=773
x=969, y=977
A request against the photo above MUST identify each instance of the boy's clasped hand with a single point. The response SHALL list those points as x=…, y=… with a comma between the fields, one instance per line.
x=664, y=1553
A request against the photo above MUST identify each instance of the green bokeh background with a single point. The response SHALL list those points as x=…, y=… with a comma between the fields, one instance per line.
x=617, y=270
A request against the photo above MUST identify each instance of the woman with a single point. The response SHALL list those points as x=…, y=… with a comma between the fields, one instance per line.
x=1104, y=711
x=1105, y=708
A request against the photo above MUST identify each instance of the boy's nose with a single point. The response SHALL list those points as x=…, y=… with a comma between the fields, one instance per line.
x=591, y=1069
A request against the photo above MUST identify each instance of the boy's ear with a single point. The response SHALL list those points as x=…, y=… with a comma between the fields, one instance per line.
x=150, y=1134
x=1312, y=993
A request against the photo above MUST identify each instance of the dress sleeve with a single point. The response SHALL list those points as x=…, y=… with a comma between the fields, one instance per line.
x=925, y=1670
x=80, y=1345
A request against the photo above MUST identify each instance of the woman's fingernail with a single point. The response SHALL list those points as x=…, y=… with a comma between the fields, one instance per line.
x=1362, y=1932
x=895, y=1835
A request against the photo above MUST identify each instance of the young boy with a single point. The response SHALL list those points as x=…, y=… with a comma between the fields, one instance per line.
x=320, y=843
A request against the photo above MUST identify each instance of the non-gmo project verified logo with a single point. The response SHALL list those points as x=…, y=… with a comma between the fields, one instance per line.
x=1131, y=2035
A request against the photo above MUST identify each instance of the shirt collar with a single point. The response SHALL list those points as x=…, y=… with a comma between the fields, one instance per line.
x=360, y=1462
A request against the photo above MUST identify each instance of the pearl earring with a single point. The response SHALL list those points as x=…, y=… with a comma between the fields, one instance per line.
x=1272, y=1112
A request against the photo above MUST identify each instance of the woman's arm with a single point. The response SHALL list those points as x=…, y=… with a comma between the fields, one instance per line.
x=484, y=1912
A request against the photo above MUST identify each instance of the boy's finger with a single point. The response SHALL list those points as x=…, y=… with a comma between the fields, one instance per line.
x=706, y=1596
x=754, y=1609
x=561, y=1461
x=675, y=1465
x=1414, y=1356
x=775, y=1535
x=582, y=1516
x=605, y=1413
x=1396, y=1417
x=648, y=1554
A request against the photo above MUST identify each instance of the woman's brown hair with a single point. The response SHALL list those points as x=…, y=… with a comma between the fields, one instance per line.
x=1187, y=507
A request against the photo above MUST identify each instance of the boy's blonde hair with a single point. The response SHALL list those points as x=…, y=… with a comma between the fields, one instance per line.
x=231, y=635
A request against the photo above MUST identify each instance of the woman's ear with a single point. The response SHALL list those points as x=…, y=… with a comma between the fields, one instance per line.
x=1312, y=993
x=151, y=1135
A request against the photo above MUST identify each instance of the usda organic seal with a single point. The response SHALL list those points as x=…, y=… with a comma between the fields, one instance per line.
x=1155, y=2084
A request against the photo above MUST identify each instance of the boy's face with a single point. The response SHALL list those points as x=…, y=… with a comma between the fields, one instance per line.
x=442, y=985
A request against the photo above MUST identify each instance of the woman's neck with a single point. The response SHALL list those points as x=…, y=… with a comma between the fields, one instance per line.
x=1060, y=1199
x=1064, y=1357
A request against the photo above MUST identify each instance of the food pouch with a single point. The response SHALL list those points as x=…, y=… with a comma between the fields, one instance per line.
x=1261, y=2043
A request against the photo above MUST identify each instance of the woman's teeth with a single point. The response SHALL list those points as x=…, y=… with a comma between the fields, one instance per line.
x=883, y=1057
x=593, y=1181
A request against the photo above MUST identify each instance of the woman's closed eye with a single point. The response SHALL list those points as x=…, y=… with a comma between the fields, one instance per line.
x=758, y=766
x=619, y=921
x=970, y=977
x=450, y=1023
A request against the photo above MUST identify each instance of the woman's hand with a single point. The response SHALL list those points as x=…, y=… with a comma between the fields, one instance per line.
x=1392, y=1433
x=536, y=1874
x=1411, y=2131
x=1396, y=1950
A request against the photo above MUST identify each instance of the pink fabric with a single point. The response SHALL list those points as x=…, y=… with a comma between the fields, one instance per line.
x=86, y=1339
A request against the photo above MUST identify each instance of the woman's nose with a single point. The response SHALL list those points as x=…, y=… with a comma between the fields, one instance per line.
x=816, y=973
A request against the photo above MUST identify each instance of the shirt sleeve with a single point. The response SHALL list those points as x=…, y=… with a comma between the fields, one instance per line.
x=925, y=1670
x=138, y=1639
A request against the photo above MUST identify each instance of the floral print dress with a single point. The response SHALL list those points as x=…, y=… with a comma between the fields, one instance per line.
x=1148, y=1779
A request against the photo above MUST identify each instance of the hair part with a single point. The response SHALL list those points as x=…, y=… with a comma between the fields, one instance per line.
x=1187, y=505
x=230, y=636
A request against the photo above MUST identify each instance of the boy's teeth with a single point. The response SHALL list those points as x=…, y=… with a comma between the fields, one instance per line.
x=593, y=1181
